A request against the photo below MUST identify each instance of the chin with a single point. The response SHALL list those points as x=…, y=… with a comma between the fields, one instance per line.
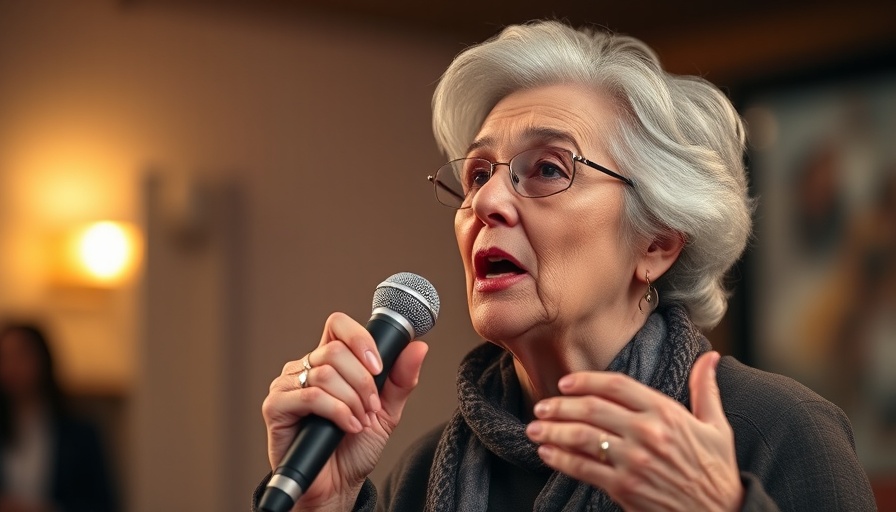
x=497, y=324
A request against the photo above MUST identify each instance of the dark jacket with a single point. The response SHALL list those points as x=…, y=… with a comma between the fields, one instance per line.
x=795, y=450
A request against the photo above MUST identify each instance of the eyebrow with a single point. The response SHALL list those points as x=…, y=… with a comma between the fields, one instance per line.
x=540, y=134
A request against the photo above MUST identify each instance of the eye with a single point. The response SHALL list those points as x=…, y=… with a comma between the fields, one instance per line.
x=545, y=165
x=549, y=170
x=476, y=173
x=542, y=171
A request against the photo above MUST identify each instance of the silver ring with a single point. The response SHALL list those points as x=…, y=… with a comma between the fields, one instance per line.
x=303, y=378
x=306, y=361
x=603, y=449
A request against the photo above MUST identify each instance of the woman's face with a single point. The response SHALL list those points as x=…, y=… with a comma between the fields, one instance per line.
x=553, y=265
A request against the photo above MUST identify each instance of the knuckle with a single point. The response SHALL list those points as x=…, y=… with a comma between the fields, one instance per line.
x=311, y=394
x=628, y=487
x=662, y=436
x=325, y=373
x=652, y=433
x=279, y=384
x=336, y=348
x=640, y=461
x=336, y=316
x=616, y=383
x=268, y=408
x=345, y=409
x=641, y=429
x=579, y=436
x=664, y=450
x=360, y=339
x=591, y=406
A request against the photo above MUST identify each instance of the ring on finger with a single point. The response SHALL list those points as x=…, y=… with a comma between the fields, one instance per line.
x=603, y=448
x=306, y=367
x=306, y=361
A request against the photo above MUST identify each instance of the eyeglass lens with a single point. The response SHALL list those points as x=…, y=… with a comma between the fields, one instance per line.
x=534, y=173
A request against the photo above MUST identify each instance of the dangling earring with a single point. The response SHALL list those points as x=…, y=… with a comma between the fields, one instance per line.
x=651, y=296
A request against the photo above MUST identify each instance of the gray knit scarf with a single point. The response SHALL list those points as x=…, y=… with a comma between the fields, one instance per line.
x=661, y=355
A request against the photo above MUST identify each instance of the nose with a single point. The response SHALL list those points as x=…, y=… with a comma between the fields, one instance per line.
x=496, y=201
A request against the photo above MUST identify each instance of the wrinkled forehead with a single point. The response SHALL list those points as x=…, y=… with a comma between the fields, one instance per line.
x=571, y=116
x=525, y=138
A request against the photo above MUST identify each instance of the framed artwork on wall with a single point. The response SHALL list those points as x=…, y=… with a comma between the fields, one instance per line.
x=820, y=275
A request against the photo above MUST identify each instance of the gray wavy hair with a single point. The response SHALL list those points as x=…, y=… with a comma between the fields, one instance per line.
x=678, y=137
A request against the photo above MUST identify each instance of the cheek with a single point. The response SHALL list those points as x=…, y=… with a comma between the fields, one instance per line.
x=459, y=230
x=579, y=256
x=567, y=267
x=464, y=236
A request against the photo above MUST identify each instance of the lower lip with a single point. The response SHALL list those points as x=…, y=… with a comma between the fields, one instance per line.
x=497, y=284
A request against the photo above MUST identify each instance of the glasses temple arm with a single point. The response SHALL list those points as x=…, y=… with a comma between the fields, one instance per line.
x=603, y=169
x=439, y=184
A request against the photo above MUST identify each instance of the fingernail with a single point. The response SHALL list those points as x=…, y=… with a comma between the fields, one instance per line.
x=365, y=419
x=373, y=362
x=565, y=383
x=534, y=428
x=374, y=402
x=355, y=424
x=541, y=409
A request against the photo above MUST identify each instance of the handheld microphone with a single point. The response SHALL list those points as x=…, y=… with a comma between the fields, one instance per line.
x=405, y=306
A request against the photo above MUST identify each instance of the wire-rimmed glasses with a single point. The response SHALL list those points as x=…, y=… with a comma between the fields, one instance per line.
x=538, y=172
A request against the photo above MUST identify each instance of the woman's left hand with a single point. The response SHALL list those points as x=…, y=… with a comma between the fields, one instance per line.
x=646, y=450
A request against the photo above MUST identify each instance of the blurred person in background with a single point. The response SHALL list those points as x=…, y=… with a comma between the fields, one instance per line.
x=51, y=461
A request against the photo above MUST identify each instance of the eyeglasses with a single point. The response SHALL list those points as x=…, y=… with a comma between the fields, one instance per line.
x=539, y=172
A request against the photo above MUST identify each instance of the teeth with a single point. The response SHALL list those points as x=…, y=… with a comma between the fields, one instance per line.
x=494, y=259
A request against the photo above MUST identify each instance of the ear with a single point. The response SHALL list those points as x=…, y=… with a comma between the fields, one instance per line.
x=661, y=253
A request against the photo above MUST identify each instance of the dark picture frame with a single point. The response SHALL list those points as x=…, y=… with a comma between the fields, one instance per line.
x=816, y=291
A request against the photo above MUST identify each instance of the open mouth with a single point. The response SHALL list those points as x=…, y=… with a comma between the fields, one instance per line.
x=496, y=268
x=492, y=264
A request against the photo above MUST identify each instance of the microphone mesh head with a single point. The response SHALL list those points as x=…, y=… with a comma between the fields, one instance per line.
x=412, y=297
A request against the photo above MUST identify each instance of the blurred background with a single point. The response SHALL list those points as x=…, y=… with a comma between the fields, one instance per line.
x=189, y=188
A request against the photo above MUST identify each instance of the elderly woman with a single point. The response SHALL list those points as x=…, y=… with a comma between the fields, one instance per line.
x=600, y=202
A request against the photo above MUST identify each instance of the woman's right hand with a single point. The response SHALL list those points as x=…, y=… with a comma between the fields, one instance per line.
x=340, y=387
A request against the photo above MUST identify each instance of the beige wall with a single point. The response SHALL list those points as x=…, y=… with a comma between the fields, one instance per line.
x=314, y=137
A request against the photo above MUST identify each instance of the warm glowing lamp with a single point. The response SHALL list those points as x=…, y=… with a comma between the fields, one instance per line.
x=105, y=250
x=101, y=254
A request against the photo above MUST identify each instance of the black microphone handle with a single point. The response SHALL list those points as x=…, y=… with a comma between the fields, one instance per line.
x=318, y=437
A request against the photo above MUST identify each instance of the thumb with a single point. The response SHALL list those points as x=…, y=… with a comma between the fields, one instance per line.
x=403, y=379
x=706, y=402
